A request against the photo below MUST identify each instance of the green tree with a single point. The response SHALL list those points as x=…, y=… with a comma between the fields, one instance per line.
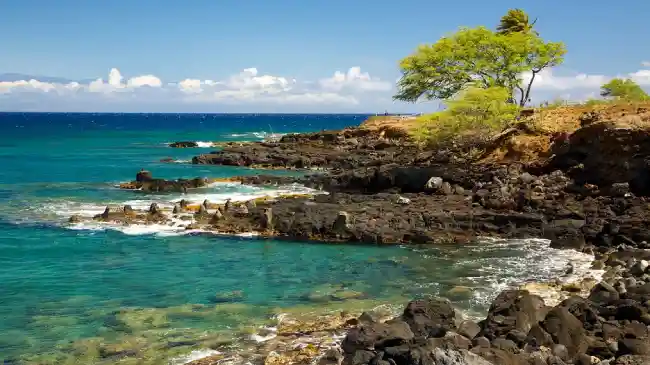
x=623, y=89
x=475, y=112
x=442, y=69
x=516, y=20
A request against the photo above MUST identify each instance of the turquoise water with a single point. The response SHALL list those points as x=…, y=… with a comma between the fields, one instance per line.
x=85, y=293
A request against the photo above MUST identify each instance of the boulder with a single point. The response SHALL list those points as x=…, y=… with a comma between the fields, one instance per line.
x=512, y=310
x=216, y=217
x=342, y=223
x=567, y=330
x=468, y=329
x=603, y=293
x=267, y=219
x=128, y=210
x=154, y=209
x=430, y=317
x=371, y=336
x=143, y=175
x=202, y=210
x=184, y=144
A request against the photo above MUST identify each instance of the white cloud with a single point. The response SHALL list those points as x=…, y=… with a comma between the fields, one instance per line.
x=32, y=85
x=144, y=80
x=354, y=79
x=548, y=80
x=248, y=87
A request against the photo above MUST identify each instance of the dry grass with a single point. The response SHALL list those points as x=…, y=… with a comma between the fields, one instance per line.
x=382, y=122
x=545, y=123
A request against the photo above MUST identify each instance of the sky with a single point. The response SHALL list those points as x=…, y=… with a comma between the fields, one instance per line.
x=329, y=56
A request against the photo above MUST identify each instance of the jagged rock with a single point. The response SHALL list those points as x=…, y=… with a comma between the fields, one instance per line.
x=177, y=209
x=251, y=205
x=184, y=144
x=128, y=210
x=342, y=223
x=267, y=219
x=183, y=204
x=154, y=209
x=75, y=219
x=206, y=204
x=216, y=217
x=202, y=210
x=227, y=205
x=143, y=175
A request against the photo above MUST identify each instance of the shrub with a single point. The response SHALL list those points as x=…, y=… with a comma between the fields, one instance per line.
x=476, y=113
x=620, y=89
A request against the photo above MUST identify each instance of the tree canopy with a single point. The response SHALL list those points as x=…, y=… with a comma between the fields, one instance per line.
x=478, y=56
x=623, y=89
x=515, y=21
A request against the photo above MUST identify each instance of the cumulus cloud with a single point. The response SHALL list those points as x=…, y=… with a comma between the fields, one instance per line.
x=248, y=87
x=548, y=80
x=354, y=79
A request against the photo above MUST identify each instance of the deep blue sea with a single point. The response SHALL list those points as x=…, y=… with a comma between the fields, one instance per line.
x=72, y=294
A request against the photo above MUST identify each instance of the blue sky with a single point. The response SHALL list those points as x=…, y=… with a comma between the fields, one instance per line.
x=288, y=43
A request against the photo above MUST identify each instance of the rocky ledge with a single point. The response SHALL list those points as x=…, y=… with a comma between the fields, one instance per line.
x=348, y=148
x=145, y=182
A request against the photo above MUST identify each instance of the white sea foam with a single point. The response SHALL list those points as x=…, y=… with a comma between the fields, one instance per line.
x=193, y=356
x=202, y=144
x=531, y=261
x=217, y=193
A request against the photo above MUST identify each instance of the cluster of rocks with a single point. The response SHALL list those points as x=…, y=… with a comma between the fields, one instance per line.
x=145, y=182
x=346, y=149
x=609, y=327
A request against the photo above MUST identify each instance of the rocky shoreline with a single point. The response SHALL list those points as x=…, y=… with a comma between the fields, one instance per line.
x=587, y=192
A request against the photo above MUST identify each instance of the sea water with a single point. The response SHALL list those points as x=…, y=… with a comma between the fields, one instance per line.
x=81, y=292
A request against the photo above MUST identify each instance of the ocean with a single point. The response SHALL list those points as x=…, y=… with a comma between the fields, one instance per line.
x=81, y=293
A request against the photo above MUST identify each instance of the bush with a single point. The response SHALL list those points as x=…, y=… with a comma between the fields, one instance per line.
x=620, y=89
x=475, y=114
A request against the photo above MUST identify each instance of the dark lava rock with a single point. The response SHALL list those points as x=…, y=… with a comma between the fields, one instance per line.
x=430, y=317
x=512, y=310
x=184, y=144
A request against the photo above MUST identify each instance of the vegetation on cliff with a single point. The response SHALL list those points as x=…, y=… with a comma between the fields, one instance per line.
x=623, y=89
x=482, y=77
x=479, y=57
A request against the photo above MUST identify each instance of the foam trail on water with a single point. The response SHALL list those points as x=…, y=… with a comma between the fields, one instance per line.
x=193, y=356
x=202, y=144
x=217, y=193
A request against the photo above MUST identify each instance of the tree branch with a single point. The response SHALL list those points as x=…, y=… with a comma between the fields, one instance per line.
x=530, y=85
